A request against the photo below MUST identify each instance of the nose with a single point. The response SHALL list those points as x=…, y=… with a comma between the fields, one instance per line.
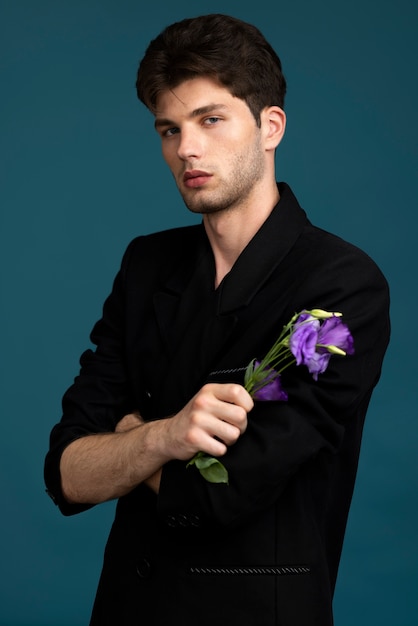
x=190, y=144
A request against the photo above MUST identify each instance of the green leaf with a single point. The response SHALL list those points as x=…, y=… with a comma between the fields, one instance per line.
x=210, y=468
x=196, y=457
x=248, y=374
x=215, y=472
x=204, y=461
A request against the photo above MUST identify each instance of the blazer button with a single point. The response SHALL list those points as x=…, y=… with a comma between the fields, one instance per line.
x=183, y=520
x=194, y=520
x=143, y=569
x=171, y=520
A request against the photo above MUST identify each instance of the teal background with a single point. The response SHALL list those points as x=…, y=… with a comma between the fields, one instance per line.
x=81, y=175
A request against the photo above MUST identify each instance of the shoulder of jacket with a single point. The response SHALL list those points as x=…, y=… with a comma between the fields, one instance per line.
x=162, y=250
x=337, y=259
x=164, y=241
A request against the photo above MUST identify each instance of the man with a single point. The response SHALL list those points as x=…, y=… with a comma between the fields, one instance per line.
x=189, y=309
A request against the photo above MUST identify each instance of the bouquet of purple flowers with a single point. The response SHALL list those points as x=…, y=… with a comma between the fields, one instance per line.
x=310, y=339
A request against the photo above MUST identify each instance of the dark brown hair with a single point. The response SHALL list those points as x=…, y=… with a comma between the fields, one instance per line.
x=231, y=51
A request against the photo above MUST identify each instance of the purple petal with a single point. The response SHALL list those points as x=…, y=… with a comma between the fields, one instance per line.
x=272, y=391
x=304, y=337
x=318, y=363
x=334, y=333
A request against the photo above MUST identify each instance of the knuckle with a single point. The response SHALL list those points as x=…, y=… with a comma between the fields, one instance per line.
x=191, y=438
x=235, y=433
x=219, y=448
x=241, y=415
x=200, y=401
x=194, y=419
x=235, y=391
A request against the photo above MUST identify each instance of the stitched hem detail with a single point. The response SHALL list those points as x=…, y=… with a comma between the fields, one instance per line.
x=269, y=570
x=230, y=371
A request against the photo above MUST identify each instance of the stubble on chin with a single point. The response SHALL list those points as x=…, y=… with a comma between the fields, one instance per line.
x=203, y=207
x=201, y=201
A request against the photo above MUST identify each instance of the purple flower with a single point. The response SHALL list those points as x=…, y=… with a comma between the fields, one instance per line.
x=310, y=338
x=313, y=343
x=272, y=389
x=304, y=337
x=334, y=333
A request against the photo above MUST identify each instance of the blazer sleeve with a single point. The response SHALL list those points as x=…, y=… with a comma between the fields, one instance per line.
x=321, y=420
x=100, y=394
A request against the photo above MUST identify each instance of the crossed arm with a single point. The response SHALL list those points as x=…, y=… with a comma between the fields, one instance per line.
x=101, y=467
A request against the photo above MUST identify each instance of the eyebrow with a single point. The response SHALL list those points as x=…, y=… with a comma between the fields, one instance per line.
x=209, y=108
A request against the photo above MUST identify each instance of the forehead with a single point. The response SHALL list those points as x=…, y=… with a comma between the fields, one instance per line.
x=192, y=95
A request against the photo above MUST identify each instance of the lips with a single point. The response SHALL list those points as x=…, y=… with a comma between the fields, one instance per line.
x=195, y=178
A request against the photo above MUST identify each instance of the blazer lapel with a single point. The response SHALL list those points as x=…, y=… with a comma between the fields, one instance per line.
x=196, y=321
x=193, y=333
x=264, y=253
x=258, y=319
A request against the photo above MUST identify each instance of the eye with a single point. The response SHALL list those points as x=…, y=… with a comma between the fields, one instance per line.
x=210, y=121
x=169, y=132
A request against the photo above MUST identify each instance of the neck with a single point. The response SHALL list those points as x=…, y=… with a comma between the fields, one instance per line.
x=229, y=232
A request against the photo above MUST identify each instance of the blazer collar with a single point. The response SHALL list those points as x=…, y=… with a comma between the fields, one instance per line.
x=195, y=322
x=194, y=275
x=264, y=252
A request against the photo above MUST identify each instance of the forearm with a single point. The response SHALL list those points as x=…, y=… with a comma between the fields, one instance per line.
x=101, y=467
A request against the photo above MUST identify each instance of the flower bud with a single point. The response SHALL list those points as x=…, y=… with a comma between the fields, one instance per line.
x=320, y=314
x=335, y=350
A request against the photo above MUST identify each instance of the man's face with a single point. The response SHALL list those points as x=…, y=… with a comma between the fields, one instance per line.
x=212, y=145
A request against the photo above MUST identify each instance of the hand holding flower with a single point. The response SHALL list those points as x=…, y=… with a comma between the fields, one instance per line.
x=310, y=339
x=212, y=420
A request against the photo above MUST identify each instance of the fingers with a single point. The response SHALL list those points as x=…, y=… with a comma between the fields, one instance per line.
x=232, y=393
x=213, y=420
x=228, y=404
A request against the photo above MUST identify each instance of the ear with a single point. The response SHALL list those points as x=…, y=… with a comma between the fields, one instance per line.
x=273, y=122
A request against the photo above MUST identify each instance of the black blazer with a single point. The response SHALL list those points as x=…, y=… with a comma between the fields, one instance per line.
x=264, y=550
